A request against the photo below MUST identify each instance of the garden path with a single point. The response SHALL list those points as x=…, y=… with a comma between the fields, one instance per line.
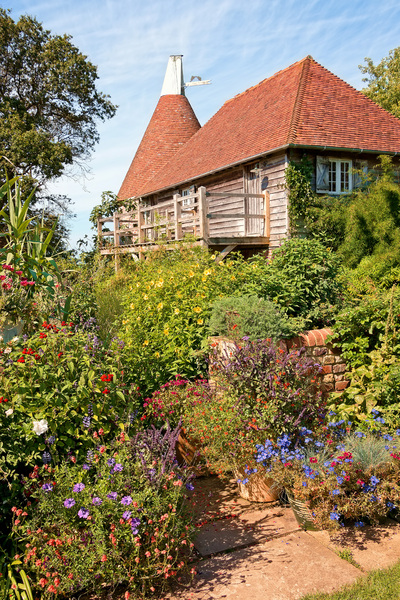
x=249, y=550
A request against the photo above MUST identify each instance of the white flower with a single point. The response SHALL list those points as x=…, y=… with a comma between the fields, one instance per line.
x=7, y=350
x=9, y=412
x=40, y=427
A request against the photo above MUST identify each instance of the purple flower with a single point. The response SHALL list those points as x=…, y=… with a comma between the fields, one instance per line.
x=97, y=501
x=78, y=487
x=69, y=503
x=111, y=462
x=46, y=457
x=135, y=525
x=85, y=467
x=86, y=421
x=83, y=513
x=47, y=487
x=126, y=500
x=126, y=514
x=112, y=495
x=118, y=467
x=189, y=486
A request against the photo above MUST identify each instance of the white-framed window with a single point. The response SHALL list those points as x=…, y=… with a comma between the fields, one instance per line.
x=334, y=175
x=186, y=195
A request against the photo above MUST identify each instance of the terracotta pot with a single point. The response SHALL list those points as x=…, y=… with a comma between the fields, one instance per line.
x=302, y=513
x=259, y=488
x=188, y=452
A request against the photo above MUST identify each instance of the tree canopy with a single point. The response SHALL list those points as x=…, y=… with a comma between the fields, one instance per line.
x=49, y=103
x=383, y=81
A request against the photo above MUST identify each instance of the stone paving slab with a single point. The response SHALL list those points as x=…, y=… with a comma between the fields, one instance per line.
x=281, y=569
x=249, y=528
x=371, y=547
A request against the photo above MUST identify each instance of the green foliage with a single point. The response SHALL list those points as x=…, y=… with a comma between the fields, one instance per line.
x=383, y=81
x=49, y=102
x=65, y=380
x=167, y=307
x=109, y=290
x=121, y=520
x=302, y=278
x=366, y=323
x=14, y=583
x=300, y=193
x=373, y=220
x=238, y=316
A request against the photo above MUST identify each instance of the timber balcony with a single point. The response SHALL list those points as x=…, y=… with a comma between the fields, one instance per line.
x=202, y=218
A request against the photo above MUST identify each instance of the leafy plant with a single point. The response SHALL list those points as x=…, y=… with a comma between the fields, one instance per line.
x=302, y=278
x=238, y=316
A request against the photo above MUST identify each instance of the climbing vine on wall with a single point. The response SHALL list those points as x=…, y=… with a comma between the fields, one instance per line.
x=300, y=193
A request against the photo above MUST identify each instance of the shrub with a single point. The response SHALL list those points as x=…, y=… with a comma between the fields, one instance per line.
x=118, y=520
x=302, y=278
x=57, y=388
x=238, y=316
x=167, y=307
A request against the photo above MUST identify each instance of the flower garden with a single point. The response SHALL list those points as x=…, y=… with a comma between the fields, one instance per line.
x=109, y=369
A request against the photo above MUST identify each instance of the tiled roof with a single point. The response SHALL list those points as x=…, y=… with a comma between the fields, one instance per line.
x=303, y=105
x=173, y=123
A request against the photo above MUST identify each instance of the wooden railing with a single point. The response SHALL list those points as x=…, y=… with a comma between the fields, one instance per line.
x=175, y=219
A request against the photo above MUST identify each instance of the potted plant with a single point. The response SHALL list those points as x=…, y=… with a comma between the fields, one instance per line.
x=341, y=477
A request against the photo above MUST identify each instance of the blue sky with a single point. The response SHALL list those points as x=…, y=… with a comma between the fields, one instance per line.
x=234, y=43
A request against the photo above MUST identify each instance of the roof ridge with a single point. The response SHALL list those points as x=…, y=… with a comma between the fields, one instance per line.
x=301, y=90
x=266, y=79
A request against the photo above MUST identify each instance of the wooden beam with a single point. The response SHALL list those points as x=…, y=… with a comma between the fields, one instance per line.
x=267, y=208
x=225, y=252
x=234, y=195
x=234, y=216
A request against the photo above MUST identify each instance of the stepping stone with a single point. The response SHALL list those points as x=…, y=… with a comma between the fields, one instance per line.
x=248, y=529
x=283, y=569
x=372, y=548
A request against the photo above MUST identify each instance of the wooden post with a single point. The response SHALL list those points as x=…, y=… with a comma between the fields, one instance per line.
x=267, y=212
x=203, y=213
x=245, y=213
x=99, y=232
x=177, y=217
x=140, y=219
x=116, y=241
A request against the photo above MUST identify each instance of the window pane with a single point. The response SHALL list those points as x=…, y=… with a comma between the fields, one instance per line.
x=332, y=176
x=344, y=176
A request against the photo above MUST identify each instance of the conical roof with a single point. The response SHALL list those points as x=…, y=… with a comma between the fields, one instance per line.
x=173, y=123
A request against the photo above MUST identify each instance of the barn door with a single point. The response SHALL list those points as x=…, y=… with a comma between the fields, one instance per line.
x=255, y=206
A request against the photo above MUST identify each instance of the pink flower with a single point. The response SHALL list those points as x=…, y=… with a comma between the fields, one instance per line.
x=103, y=558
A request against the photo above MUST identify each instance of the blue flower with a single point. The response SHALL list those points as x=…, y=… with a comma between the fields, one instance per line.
x=390, y=505
x=374, y=480
x=334, y=516
x=335, y=492
x=359, y=434
x=358, y=524
x=340, y=480
x=304, y=483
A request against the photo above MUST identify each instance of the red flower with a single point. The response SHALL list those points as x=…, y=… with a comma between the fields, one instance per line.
x=313, y=459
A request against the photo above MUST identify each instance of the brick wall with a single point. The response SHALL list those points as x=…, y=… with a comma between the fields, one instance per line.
x=316, y=346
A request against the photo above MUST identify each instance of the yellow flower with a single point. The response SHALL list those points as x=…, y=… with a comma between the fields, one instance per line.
x=157, y=354
x=212, y=257
x=146, y=343
x=138, y=285
x=199, y=321
x=145, y=297
x=176, y=311
x=166, y=331
x=138, y=319
x=159, y=306
x=124, y=322
x=191, y=274
x=132, y=305
x=130, y=287
x=197, y=309
x=160, y=283
x=208, y=272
